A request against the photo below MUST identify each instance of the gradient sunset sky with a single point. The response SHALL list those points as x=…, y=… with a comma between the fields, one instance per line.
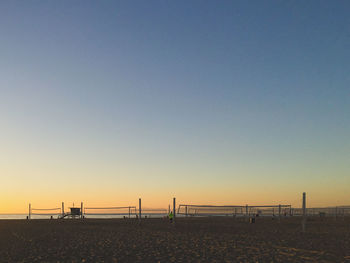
x=213, y=102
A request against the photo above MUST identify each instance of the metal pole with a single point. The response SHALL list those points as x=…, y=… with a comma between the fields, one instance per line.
x=246, y=211
x=30, y=211
x=62, y=209
x=304, y=212
x=186, y=210
x=81, y=210
x=140, y=209
x=174, y=208
x=129, y=211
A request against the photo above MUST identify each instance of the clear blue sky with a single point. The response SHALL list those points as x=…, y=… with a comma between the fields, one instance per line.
x=211, y=101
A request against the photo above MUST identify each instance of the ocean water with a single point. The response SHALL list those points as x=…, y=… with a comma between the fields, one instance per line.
x=13, y=216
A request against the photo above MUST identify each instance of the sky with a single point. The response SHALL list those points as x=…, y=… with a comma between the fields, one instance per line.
x=211, y=102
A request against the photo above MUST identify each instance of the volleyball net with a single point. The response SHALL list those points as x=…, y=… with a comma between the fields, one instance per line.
x=117, y=211
x=123, y=211
x=154, y=212
x=234, y=210
x=44, y=212
x=323, y=211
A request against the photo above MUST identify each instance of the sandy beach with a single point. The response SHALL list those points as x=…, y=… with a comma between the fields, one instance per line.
x=189, y=240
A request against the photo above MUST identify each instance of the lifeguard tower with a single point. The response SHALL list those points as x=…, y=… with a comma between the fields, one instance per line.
x=75, y=212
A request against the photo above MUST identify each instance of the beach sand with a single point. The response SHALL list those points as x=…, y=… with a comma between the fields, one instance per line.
x=188, y=240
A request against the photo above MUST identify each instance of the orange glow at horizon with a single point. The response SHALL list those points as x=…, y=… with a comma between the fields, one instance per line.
x=20, y=204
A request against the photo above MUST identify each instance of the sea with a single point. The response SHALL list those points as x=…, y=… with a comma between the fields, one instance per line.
x=13, y=216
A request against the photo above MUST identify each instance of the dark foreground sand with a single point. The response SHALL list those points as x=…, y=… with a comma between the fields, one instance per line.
x=189, y=240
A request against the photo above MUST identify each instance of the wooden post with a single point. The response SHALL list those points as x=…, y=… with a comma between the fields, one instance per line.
x=140, y=209
x=304, y=212
x=62, y=209
x=174, y=208
x=30, y=211
x=81, y=210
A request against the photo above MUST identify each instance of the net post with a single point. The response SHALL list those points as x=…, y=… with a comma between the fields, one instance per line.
x=304, y=213
x=246, y=212
x=30, y=211
x=62, y=209
x=81, y=210
x=174, y=208
x=139, y=209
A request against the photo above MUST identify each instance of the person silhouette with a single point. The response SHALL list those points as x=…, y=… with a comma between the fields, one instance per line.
x=171, y=216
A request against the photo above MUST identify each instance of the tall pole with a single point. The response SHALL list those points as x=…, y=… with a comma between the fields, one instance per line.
x=81, y=210
x=246, y=211
x=174, y=208
x=62, y=209
x=304, y=212
x=140, y=209
x=30, y=211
